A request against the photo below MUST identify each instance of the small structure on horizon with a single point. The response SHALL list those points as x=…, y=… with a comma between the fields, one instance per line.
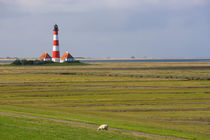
x=45, y=57
x=67, y=57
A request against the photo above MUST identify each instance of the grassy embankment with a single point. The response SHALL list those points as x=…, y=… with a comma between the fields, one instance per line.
x=170, y=99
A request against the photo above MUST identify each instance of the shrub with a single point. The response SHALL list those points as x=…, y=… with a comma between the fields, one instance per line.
x=30, y=62
x=16, y=62
x=23, y=62
x=38, y=62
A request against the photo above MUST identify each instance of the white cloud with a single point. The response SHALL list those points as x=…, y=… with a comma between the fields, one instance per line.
x=44, y=6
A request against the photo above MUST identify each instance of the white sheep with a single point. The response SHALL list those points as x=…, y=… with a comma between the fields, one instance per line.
x=103, y=127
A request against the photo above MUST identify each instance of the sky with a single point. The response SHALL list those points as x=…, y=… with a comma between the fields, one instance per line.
x=106, y=28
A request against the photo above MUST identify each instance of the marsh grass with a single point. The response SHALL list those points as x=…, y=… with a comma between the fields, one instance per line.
x=170, y=99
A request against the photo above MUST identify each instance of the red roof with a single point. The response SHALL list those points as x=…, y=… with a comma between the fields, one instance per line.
x=45, y=56
x=66, y=56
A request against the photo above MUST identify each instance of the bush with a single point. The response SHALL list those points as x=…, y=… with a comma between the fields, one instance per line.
x=37, y=62
x=30, y=62
x=16, y=62
x=25, y=62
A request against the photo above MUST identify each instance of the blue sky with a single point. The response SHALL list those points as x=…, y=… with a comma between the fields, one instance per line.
x=106, y=28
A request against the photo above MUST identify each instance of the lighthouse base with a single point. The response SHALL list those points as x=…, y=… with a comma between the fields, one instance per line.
x=56, y=60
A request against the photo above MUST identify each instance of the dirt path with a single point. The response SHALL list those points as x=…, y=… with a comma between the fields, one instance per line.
x=92, y=125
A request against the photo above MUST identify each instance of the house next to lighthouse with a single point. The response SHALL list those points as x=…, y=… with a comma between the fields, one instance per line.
x=45, y=57
x=67, y=57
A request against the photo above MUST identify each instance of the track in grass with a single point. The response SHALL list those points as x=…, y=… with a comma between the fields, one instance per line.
x=91, y=125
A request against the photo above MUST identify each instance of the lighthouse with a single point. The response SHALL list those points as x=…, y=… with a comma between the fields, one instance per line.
x=67, y=57
x=56, y=52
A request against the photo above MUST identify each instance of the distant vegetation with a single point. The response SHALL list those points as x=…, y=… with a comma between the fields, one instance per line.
x=30, y=62
x=25, y=62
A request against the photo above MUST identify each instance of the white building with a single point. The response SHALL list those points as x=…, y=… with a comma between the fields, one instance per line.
x=67, y=57
x=45, y=57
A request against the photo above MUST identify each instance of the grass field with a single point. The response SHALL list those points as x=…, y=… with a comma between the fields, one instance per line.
x=169, y=99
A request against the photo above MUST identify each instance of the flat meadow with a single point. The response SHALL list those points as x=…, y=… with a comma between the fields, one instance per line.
x=167, y=99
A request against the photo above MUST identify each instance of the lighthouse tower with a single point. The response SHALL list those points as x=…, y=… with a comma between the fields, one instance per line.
x=56, y=52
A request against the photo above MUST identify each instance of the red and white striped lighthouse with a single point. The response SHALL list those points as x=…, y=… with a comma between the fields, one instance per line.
x=56, y=52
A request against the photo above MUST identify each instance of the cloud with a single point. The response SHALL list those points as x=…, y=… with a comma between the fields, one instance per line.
x=46, y=6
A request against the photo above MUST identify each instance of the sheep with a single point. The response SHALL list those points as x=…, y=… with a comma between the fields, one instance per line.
x=103, y=127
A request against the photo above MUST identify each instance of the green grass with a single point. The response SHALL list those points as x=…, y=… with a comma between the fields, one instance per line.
x=170, y=99
x=17, y=128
